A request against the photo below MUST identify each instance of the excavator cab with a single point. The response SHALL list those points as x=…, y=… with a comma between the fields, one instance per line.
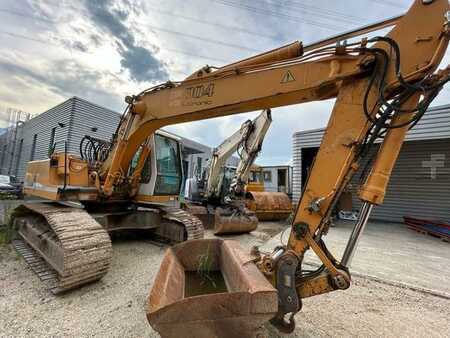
x=166, y=162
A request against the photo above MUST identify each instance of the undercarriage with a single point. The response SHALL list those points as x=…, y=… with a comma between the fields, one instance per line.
x=68, y=247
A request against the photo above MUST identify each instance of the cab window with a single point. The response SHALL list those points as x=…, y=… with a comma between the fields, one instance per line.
x=146, y=170
x=168, y=164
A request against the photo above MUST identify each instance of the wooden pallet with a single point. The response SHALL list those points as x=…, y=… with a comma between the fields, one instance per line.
x=425, y=231
x=420, y=222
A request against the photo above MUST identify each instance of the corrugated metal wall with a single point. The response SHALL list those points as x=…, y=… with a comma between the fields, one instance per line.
x=87, y=117
x=309, y=139
x=80, y=118
x=41, y=126
x=412, y=190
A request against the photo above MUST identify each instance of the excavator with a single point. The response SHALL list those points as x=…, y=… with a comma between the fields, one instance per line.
x=383, y=85
x=223, y=201
x=65, y=239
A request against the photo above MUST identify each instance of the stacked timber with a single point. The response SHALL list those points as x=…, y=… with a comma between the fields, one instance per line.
x=435, y=228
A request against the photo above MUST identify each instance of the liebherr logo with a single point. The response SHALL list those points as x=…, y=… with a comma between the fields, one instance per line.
x=437, y=161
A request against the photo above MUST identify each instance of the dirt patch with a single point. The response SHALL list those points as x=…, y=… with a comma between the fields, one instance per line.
x=115, y=306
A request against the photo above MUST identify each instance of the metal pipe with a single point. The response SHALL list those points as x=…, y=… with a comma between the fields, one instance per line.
x=356, y=234
x=353, y=33
x=277, y=254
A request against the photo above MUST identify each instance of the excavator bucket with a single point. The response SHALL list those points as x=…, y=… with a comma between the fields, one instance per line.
x=210, y=288
x=269, y=206
x=234, y=221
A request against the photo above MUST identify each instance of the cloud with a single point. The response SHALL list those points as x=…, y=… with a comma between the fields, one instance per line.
x=59, y=79
x=141, y=62
x=75, y=45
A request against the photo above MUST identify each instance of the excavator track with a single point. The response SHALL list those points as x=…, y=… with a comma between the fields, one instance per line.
x=181, y=225
x=65, y=246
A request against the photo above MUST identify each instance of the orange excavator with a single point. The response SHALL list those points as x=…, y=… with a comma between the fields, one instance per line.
x=382, y=85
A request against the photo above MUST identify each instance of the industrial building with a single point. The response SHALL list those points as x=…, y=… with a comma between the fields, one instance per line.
x=420, y=181
x=69, y=122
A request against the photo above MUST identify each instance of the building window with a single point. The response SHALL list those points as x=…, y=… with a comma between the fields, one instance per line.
x=52, y=141
x=33, y=147
x=267, y=176
x=255, y=176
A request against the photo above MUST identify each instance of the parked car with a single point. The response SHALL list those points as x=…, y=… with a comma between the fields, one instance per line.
x=10, y=188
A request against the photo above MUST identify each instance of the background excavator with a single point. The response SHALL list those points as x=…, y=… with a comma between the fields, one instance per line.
x=383, y=85
x=218, y=198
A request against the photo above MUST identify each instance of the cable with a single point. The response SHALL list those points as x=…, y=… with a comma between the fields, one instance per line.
x=15, y=35
x=177, y=51
x=168, y=31
x=214, y=24
x=388, y=3
x=94, y=150
x=382, y=121
x=321, y=12
x=8, y=11
x=25, y=37
x=196, y=37
x=259, y=10
x=320, y=9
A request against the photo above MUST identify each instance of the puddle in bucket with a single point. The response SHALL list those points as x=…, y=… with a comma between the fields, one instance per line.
x=197, y=284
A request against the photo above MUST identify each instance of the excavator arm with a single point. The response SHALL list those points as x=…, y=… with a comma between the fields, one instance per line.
x=248, y=142
x=382, y=86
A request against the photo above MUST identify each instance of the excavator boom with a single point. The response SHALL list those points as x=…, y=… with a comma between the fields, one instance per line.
x=248, y=142
x=382, y=86
x=227, y=201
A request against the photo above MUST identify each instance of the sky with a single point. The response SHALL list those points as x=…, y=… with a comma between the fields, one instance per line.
x=103, y=50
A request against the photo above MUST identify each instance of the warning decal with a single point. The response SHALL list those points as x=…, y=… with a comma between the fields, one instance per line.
x=288, y=77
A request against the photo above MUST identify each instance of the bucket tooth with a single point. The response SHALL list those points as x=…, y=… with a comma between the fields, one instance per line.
x=238, y=309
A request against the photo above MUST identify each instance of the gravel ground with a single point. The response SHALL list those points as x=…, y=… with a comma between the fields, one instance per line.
x=114, y=307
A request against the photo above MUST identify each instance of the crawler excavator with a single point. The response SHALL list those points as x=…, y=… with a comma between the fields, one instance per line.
x=223, y=202
x=65, y=238
x=383, y=85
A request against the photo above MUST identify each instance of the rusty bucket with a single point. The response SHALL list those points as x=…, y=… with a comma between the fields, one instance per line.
x=269, y=206
x=234, y=221
x=210, y=288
